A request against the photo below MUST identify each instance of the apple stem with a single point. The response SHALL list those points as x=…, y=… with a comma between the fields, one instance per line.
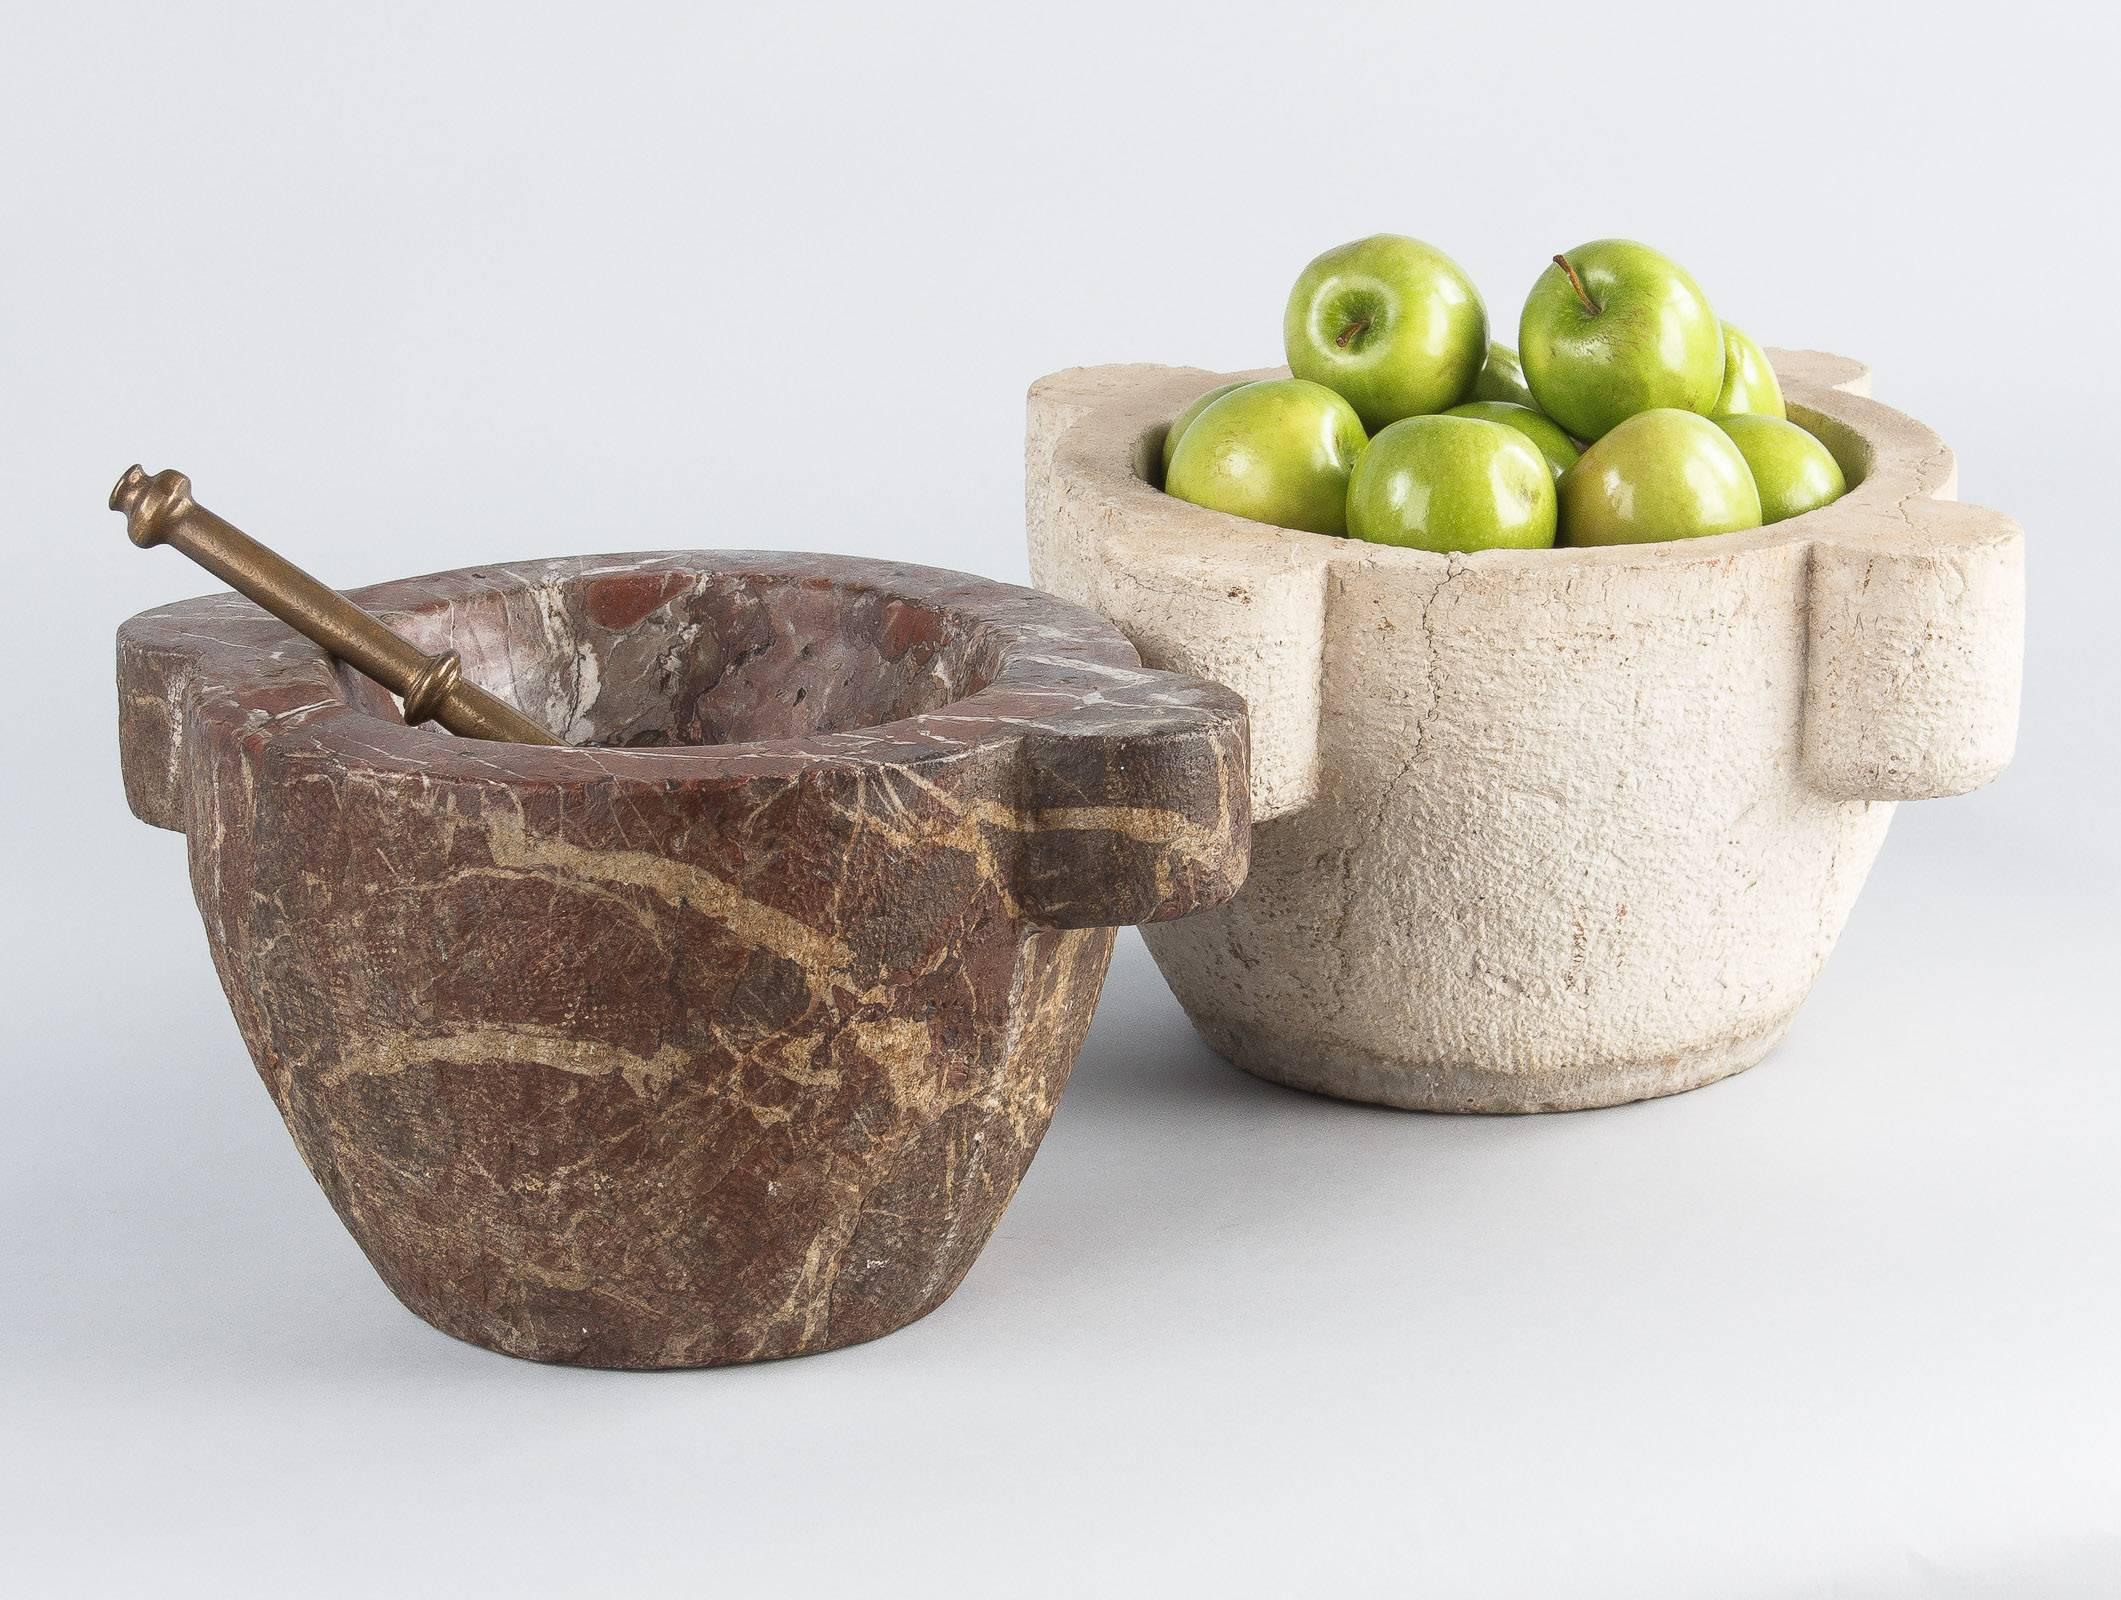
x=1576, y=283
x=1349, y=332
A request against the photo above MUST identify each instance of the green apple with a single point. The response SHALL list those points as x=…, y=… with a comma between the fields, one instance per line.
x=1559, y=449
x=1663, y=474
x=1452, y=483
x=1276, y=451
x=1390, y=323
x=1184, y=420
x=1749, y=384
x=1502, y=377
x=1612, y=329
x=1793, y=471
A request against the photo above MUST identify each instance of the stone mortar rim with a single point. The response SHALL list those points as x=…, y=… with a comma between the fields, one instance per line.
x=1049, y=649
x=1904, y=463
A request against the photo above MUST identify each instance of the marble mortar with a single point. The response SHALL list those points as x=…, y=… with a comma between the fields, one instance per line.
x=729, y=1034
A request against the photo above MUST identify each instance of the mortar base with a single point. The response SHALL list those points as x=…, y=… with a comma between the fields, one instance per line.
x=1413, y=1085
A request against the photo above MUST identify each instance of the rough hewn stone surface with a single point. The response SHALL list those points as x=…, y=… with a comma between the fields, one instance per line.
x=1545, y=829
x=731, y=1037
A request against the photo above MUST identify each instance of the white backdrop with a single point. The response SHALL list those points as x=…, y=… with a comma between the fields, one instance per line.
x=406, y=287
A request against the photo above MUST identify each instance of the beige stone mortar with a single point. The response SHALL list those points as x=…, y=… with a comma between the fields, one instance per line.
x=1538, y=830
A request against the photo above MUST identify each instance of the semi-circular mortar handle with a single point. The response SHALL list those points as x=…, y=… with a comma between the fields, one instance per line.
x=1144, y=819
x=1915, y=645
x=1916, y=622
x=727, y=1032
x=1916, y=657
x=1249, y=613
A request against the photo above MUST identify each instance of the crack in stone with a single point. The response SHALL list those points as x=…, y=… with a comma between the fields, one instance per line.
x=1388, y=791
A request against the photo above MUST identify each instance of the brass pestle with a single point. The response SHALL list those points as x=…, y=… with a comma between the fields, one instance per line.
x=159, y=509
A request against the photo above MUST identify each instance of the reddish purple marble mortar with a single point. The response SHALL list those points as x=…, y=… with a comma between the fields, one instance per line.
x=728, y=1034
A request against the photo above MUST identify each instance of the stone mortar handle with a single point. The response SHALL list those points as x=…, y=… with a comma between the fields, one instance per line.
x=1915, y=656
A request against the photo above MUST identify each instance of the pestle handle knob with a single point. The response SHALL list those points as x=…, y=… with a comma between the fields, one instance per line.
x=159, y=509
